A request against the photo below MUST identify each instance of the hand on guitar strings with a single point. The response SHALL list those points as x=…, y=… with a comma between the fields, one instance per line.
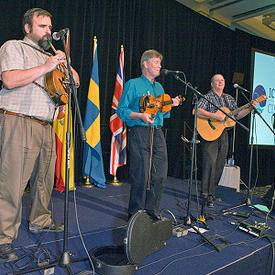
x=53, y=61
x=220, y=116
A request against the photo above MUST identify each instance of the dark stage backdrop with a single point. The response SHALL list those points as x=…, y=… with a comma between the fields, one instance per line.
x=188, y=41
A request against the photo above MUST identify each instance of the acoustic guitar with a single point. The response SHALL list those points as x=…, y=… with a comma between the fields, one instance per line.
x=211, y=129
x=56, y=87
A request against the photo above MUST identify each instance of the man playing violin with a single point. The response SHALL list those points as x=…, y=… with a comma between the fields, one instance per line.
x=146, y=142
x=27, y=139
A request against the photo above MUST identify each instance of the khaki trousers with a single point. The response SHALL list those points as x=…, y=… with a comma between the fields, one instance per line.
x=27, y=154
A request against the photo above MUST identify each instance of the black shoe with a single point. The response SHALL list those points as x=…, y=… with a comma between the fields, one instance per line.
x=154, y=216
x=52, y=227
x=216, y=198
x=210, y=201
x=129, y=216
x=7, y=253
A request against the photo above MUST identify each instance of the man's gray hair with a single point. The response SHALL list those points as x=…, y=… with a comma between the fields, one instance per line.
x=147, y=55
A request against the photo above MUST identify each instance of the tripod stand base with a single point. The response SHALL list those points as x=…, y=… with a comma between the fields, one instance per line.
x=115, y=182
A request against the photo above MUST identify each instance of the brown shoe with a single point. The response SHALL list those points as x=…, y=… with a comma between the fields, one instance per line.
x=52, y=227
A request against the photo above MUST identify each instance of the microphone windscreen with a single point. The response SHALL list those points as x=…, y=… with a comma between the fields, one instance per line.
x=164, y=71
x=55, y=37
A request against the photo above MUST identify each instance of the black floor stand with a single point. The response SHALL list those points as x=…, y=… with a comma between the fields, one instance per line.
x=248, y=194
x=64, y=261
x=188, y=219
x=248, y=201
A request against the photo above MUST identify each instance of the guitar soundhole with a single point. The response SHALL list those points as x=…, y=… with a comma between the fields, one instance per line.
x=211, y=124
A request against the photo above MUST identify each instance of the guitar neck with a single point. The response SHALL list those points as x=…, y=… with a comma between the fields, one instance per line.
x=234, y=112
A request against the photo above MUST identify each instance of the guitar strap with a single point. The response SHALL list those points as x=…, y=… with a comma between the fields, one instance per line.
x=43, y=52
x=226, y=102
x=46, y=53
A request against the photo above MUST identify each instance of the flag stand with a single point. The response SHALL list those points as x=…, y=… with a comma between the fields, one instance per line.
x=115, y=181
x=86, y=183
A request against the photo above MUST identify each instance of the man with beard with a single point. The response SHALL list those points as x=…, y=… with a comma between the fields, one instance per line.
x=27, y=140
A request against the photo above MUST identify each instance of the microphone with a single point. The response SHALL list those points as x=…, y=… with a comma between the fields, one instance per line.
x=61, y=33
x=240, y=87
x=166, y=72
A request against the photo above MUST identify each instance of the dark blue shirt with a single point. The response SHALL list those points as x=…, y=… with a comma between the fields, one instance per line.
x=225, y=100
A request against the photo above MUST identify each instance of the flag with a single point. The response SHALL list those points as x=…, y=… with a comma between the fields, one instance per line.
x=92, y=155
x=60, y=128
x=117, y=126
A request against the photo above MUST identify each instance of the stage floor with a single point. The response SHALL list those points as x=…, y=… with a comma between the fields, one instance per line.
x=98, y=217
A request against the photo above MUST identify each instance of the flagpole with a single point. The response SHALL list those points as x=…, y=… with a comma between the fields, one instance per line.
x=93, y=167
x=86, y=179
x=117, y=127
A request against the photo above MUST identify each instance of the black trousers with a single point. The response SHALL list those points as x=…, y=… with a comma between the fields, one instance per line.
x=139, y=148
x=214, y=154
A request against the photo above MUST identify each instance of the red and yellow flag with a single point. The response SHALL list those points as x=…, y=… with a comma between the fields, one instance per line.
x=60, y=128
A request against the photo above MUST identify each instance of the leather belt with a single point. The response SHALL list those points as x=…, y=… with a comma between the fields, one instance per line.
x=42, y=122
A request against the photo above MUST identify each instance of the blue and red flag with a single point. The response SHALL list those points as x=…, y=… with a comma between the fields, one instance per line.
x=117, y=126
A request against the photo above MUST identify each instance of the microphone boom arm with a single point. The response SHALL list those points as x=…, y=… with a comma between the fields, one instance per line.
x=201, y=95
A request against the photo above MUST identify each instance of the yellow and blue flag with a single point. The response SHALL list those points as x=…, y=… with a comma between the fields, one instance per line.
x=93, y=166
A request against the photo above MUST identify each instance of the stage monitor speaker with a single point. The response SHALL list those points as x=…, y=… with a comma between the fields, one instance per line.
x=143, y=237
x=231, y=177
x=269, y=196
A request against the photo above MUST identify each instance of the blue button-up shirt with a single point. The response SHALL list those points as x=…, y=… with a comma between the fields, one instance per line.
x=133, y=90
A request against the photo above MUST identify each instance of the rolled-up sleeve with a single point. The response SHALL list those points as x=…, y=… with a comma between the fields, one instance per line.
x=123, y=109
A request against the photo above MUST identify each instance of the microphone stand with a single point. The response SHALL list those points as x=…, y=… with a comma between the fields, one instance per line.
x=231, y=160
x=65, y=260
x=187, y=219
x=248, y=196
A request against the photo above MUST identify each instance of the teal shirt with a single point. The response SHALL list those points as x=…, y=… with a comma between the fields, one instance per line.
x=133, y=90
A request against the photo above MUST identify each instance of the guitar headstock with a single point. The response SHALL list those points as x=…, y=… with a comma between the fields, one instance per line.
x=261, y=98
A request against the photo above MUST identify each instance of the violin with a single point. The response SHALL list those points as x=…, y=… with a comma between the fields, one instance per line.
x=56, y=86
x=56, y=83
x=151, y=105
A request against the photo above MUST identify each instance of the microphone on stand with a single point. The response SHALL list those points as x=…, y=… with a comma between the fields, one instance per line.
x=61, y=33
x=240, y=87
x=166, y=72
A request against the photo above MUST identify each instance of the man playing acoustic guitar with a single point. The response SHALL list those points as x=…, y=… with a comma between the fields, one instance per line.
x=214, y=150
x=27, y=140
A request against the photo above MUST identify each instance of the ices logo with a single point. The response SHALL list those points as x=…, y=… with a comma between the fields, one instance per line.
x=259, y=90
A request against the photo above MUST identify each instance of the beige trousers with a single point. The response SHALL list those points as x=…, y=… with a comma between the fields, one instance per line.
x=27, y=154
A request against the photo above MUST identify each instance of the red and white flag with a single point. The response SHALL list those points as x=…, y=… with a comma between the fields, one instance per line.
x=117, y=126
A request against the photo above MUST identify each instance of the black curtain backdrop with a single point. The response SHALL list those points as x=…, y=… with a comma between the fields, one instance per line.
x=188, y=41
